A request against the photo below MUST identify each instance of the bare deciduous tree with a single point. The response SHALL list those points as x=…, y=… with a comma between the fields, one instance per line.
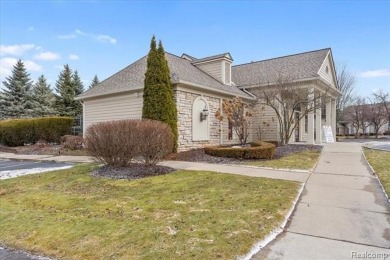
x=356, y=115
x=384, y=99
x=239, y=115
x=346, y=83
x=286, y=97
x=377, y=112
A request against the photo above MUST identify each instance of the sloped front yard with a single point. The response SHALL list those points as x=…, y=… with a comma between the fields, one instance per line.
x=187, y=214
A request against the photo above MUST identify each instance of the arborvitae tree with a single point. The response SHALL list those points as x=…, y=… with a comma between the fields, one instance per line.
x=66, y=89
x=78, y=83
x=94, y=82
x=158, y=94
x=43, y=98
x=15, y=100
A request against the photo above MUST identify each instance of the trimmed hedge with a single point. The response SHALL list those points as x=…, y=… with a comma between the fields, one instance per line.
x=17, y=132
x=258, y=150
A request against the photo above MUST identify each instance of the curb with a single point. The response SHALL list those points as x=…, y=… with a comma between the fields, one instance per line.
x=374, y=173
x=276, y=232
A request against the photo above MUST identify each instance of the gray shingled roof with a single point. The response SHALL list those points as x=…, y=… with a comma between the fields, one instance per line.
x=297, y=67
x=132, y=77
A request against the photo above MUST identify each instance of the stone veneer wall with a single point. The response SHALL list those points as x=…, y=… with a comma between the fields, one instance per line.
x=184, y=101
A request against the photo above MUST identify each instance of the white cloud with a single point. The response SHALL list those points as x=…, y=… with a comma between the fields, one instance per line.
x=99, y=37
x=16, y=49
x=77, y=31
x=106, y=38
x=74, y=57
x=60, y=67
x=375, y=73
x=47, y=55
x=31, y=28
x=32, y=66
x=7, y=64
x=66, y=36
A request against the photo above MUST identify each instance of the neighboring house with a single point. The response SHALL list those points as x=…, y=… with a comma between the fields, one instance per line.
x=348, y=127
x=200, y=85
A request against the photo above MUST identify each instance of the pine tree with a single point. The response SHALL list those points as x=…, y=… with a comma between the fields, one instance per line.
x=43, y=98
x=15, y=99
x=158, y=93
x=66, y=89
x=78, y=83
x=94, y=82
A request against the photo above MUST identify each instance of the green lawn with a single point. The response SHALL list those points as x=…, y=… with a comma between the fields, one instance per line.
x=380, y=161
x=187, y=214
x=301, y=161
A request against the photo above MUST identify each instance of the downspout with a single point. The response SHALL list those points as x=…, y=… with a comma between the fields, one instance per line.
x=247, y=92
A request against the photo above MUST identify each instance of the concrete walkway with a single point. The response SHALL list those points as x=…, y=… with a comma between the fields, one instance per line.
x=301, y=176
x=50, y=158
x=342, y=213
x=233, y=169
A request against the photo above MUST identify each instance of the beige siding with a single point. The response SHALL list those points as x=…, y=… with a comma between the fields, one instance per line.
x=214, y=69
x=123, y=106
x=264, y=123
x=227, y=73
x=328, y=76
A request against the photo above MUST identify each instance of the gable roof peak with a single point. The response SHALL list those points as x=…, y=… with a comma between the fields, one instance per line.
x=215, y=57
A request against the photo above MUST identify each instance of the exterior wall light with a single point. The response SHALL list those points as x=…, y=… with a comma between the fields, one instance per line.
x=204, y=114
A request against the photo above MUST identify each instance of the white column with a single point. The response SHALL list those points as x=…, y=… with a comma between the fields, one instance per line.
x=310, y=120
x=301, y=128
x=310, y=128
x=333, y=123
x=318, y=126
x=328, y=112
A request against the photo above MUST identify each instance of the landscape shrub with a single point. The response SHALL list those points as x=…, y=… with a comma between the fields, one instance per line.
x=156, y=141
x=17, y=132
x=116, y=143
x=258, y=150
x=113, y=143
x=72, y=142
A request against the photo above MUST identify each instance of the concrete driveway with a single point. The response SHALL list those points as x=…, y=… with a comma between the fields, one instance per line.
x=12, y=168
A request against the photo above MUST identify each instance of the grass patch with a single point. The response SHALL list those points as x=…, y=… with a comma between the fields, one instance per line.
x=380, y=161
x=302, y=161
x=68, y=214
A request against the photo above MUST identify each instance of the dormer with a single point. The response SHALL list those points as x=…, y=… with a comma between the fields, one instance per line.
x=217, y=66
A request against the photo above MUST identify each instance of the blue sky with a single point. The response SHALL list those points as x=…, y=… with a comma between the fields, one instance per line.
x=103, y=37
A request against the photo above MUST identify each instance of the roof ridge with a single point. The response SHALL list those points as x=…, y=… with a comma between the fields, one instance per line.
x=212, y=57
x=280, y=57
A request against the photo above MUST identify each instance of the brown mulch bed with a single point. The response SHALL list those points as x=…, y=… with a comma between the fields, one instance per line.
x=198, y=155
x=134, y=171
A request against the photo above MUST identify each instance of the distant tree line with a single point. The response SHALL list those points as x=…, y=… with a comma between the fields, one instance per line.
x=23, y=98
